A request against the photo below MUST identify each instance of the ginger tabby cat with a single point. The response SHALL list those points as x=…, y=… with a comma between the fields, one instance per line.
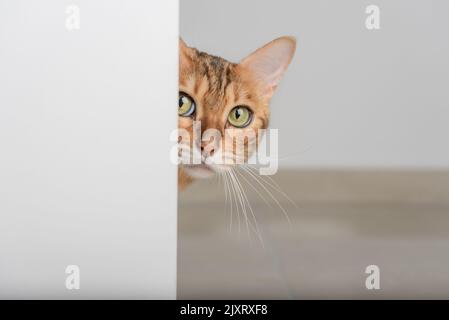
x=222, y=95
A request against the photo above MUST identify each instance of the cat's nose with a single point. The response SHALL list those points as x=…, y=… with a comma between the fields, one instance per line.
x=210, y=152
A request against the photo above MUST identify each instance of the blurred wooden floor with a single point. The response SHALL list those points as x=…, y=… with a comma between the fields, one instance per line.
x=343, y=222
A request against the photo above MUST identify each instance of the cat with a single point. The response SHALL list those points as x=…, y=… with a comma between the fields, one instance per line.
x=224, y=95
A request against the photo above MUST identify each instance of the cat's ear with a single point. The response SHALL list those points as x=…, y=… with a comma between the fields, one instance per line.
x=268, y=64
x=182, y=45
x=185, y=54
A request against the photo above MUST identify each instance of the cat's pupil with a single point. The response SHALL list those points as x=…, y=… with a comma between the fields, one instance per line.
x=181, y=102
x=237, y=113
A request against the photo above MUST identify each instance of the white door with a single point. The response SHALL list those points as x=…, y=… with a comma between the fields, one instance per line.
x=88, y=196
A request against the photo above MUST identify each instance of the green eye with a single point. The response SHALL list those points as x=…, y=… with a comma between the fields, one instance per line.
x=240, y=117
x=186, y=105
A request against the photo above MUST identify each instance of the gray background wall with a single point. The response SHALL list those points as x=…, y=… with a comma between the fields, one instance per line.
x=352, y=97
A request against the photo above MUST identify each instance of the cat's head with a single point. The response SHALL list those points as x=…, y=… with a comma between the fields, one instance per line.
x=231, y=99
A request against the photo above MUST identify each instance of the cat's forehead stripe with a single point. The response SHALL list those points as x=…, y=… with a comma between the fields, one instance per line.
x=218, y=73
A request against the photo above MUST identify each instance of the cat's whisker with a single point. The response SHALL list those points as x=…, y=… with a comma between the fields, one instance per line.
x=234, y=199
x=273, y=184
x=245, y=197
x=239, y=195
x=226, y=187
x=257, y=179
x=254, y=188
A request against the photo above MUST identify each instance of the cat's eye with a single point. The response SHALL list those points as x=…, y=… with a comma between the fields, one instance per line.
x=240, y=117
x=186, y=105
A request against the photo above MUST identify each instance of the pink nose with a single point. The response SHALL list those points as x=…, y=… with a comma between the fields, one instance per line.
x=210, y=151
